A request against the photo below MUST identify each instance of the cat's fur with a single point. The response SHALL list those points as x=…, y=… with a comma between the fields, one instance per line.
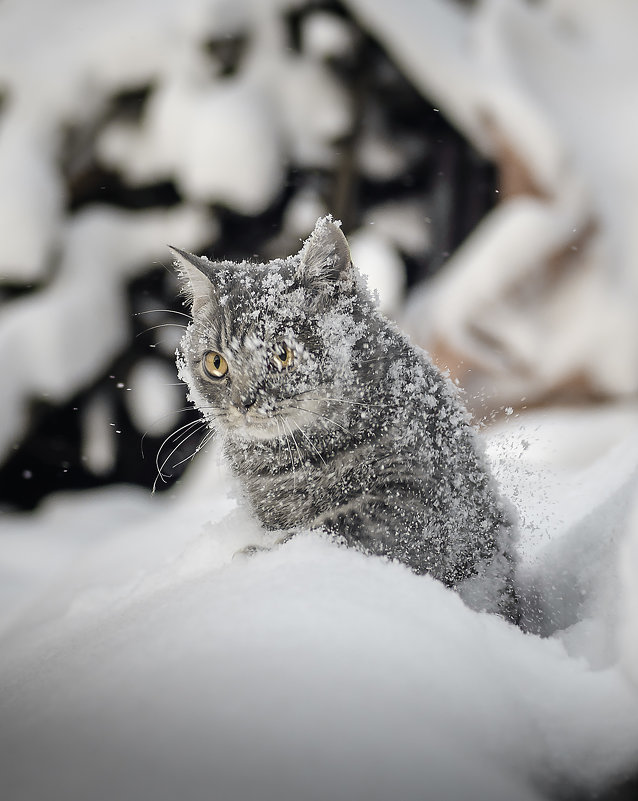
x=361, y=436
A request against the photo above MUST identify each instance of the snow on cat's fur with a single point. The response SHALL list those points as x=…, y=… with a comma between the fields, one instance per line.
x=332, y=419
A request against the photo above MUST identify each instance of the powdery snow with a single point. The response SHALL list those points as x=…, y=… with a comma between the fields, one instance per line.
x=146, y=659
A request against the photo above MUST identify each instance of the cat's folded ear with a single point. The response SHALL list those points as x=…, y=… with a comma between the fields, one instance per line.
x=196, y=275
x=325, y=255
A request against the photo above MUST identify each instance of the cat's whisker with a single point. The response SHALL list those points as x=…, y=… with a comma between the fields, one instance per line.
x=309, y=441
x=186, y=436
x=164, y=311
x=161, y=475
x=313, y=394
x=322, y=417
x=161, y=325
x=196, y=425
x=163, y=417
x=208, y=435
x=301, y=459
x=184, y=427
x=170, y=436
x=160, y=467
x=356, y=403
x=279, y=435
x=292, y=461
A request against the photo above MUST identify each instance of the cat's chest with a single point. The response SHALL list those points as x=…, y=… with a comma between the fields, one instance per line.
x=288, y=499
x=293, y=488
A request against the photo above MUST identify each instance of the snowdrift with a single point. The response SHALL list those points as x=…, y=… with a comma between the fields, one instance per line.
x=143, y=657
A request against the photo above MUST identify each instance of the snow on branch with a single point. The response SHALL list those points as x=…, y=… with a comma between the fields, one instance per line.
x=540, y=301
x=58, y=341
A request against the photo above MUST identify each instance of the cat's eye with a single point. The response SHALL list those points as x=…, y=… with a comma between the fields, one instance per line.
x=214, y=364
x=283, y=356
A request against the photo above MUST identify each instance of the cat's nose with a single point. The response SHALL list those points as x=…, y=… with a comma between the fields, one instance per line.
x=243, y=401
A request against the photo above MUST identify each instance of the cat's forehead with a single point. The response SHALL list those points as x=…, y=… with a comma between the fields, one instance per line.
x=241, y=276
x=260, y=300
x=246, y=288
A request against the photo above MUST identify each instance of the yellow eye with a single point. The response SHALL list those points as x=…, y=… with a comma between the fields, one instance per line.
x=214, y=364
x=283, y=356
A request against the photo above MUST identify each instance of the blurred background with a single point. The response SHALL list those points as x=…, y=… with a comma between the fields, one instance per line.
x=480, y=156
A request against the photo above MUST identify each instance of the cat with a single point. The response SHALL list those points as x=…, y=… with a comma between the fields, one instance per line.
x=333, y=420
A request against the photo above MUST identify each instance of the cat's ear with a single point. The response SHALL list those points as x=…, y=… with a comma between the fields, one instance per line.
x=196, y=275
x=325, y=256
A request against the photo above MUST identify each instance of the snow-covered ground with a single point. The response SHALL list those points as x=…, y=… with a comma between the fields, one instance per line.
x=142, y=657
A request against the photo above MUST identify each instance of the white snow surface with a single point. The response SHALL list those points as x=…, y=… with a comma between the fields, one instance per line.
x=142, y=656
x=628, y=568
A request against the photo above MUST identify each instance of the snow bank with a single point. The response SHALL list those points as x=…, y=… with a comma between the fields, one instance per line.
x=161, y=663
x=628, y=626
x=572, y=475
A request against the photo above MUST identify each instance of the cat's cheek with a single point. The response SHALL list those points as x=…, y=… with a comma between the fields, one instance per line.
x=205, y=397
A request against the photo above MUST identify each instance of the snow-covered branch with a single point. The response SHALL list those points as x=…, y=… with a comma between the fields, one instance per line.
x=540, y=300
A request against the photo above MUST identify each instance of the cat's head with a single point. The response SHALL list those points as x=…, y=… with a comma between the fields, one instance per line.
x=271, y=345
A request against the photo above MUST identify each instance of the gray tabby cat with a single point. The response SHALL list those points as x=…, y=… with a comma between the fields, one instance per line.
x=331, y=419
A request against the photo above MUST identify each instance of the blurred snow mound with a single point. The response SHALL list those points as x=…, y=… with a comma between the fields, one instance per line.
x=539, y=301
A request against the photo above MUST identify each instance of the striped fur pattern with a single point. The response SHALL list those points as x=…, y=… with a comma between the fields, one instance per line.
x=332, y=419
